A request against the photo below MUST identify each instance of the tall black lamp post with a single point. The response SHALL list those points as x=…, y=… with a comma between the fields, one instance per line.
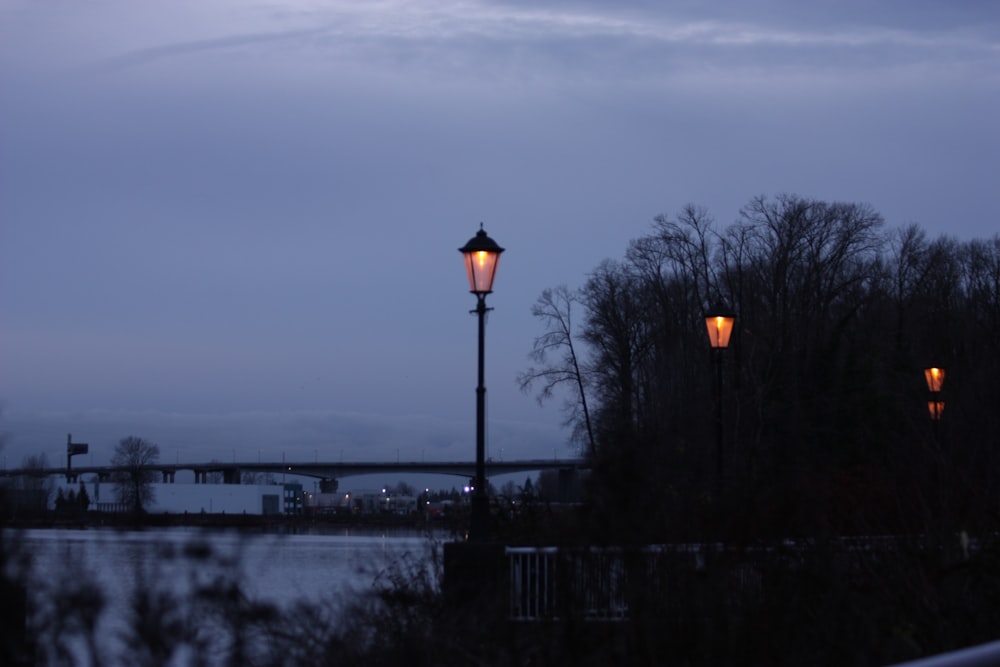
x=482, y=254
x=719, y=321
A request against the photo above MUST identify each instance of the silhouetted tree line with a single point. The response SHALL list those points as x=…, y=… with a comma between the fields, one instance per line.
x=826, y=426
x=826, y=433
x=73, y=502
x=27, y=496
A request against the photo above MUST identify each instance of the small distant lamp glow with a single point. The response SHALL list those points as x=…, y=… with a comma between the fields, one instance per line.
x=935, y=379
x=719, y=323
x=482, y=254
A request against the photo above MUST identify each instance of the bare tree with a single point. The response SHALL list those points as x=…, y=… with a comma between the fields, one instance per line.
x=678, y=255
x=134, y=477
x=31, y=491
x=555, y=308
x=402, y=489
x=262, y=478
x=618, y=333
x=215, y=476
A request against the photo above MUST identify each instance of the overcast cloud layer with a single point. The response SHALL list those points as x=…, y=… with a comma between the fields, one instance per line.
x=233, y=227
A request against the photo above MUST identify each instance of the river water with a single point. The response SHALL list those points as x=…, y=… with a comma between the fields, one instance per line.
x=281, y=569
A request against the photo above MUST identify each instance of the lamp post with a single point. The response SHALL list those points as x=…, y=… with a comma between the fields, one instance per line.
x=935, y=381
x=719, y=322
x=481, y=257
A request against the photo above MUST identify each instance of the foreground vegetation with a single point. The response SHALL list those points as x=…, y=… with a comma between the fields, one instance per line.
x=862, y=602
x=204, y=618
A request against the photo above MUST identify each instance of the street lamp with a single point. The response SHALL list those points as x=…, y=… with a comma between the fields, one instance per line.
x=719, y=322
x=935, y=380
x=482, y=254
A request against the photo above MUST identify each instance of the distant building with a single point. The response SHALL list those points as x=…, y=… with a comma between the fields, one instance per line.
x=439, y=509
x=328, y=503
x=368, y=502
x=401, y=504
x=293, y=499
x=256, y=499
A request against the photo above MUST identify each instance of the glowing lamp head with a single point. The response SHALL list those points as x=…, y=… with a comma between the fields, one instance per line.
x=935, y=379
x=719, y=322
x=482, y=254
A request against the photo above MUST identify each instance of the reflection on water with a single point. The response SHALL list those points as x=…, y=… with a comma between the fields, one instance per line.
x=275, y=568
x=283, y=570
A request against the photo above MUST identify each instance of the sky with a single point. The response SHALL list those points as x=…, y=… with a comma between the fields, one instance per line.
x=231, y=227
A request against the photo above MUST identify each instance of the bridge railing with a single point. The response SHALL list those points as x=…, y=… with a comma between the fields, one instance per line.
x=111, y=507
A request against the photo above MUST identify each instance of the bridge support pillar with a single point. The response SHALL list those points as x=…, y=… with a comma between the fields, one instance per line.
x=231, y=476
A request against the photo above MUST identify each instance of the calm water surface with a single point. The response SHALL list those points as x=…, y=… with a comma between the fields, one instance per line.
x=281, y=569
x=276, y=568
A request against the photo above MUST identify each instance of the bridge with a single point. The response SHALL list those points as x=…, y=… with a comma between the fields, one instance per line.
x=232, y=473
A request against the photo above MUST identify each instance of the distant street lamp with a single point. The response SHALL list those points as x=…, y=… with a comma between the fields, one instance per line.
x=482, y=254
x=719, y=322
x=935, y=381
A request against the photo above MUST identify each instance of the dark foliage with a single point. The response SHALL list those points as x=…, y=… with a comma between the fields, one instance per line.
x=825, y=425
x=134, y=477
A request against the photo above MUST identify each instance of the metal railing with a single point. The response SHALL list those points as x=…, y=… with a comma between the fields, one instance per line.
x=112, y=507
x=547, y=583
x=551, y=583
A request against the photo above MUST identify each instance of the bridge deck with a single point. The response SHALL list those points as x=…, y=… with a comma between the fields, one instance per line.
x=319, y=469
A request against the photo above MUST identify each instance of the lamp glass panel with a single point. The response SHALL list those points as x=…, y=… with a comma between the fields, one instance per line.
x=935, y=378
x=720, y=328
x=935, y=408
x=481, y=265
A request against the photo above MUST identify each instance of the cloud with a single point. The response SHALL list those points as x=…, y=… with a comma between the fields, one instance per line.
x=472, y=39
x=151, y=54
